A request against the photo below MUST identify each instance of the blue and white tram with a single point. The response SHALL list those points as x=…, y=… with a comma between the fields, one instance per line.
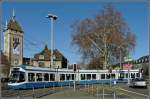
x=26, y=77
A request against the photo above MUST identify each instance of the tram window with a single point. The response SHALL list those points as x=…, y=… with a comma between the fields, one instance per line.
x=132, y=75
x=62, y=77
x=121, y=75
x=107, y=76
x=113, y=76
x=39, y=77
x=126, y=75
x=93, y=76
x=68, y=76
x=102, y=76
x=46, y=77
x=72, y=76
x=31, y=77
x=137, y=75
x=52, y=77
x=88, y=76
x=82, y=76
x=22, y=77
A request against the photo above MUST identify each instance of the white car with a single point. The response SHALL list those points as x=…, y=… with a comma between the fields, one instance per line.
x=138, y=83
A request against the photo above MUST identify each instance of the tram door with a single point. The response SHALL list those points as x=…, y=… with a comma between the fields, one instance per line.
x=121, y=75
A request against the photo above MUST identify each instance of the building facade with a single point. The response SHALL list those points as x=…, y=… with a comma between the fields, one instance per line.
x=13, y=42
x=43, y=59
x=13, y=49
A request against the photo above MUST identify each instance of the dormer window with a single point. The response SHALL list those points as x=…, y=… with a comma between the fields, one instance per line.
x=54, y=57
x=41, y=57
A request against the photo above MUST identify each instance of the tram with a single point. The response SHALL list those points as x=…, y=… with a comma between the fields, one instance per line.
x=27, y=77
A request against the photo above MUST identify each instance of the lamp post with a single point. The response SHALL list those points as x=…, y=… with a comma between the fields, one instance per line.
x=52, y=18
x=74, y=69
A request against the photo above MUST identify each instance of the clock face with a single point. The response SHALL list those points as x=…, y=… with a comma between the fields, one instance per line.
x=16, y=45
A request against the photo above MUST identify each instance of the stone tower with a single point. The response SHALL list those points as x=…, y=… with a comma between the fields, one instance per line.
x=13, y=42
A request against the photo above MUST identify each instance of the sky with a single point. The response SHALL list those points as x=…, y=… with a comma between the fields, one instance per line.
x=31, y=16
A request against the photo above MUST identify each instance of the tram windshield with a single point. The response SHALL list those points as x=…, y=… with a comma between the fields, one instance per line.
x=17, y=76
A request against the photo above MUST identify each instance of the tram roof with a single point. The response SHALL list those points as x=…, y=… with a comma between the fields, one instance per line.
x=34, y=68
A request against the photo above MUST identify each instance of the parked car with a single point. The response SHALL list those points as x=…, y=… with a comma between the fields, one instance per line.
x=138, y=82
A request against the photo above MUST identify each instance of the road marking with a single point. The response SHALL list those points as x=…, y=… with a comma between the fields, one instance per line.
x=133, y=92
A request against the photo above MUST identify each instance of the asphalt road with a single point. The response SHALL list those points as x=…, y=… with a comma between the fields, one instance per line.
x=139, y=90
x=122, y=91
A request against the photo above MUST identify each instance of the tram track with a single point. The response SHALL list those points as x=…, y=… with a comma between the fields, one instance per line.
x=130, y=93
x=97, y=90
x=37, y=93
x=93, y=90
x=126, y=92
x=8, y=93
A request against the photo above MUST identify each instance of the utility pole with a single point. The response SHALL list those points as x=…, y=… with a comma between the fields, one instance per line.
x=52, y=18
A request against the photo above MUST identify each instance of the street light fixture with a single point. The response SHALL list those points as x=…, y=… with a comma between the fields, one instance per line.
x=52, y=18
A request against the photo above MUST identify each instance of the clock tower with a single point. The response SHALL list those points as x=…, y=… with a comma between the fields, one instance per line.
x=13, y=42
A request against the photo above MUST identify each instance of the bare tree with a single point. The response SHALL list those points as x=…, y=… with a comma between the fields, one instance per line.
x=102, y=37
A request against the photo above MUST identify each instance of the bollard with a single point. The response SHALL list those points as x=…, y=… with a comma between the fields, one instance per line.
x=97, y=91
x=103, y=94
x=69, y=84
x=61, y=86
x=33, y=92
x=53, y=87
x=44, y=86
x=18, y=95
x=85, y=85
x=74, y=87
x=114, y=95
x=88, y=88
x=92, y=90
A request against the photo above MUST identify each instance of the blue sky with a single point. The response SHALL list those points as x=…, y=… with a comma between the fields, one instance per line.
x=36, y=27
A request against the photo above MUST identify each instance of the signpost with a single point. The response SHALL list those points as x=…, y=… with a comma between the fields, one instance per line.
x=74, y=68
x=110, y=72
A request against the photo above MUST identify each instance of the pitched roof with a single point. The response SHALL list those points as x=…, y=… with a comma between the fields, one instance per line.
x=14, y=25
x=47, y=55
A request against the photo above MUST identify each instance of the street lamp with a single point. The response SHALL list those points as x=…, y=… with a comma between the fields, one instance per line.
x=52, y=18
